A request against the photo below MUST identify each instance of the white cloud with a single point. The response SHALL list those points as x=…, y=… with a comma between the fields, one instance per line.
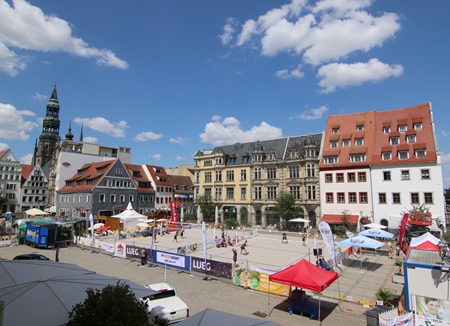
x=26, y=159
x=39, y=96
x=336, y=75
x=445, y=161
x=228, y=30
x=27, y=28
x=90, y=139
x=312, y=114
x=157, y=156
x=329, y=31
x=102, y=125
x=180, y=158
x=178, y=140
x=445, y=134
x=3, y=146
x=12, y=122
x=147, y=135
x=286, y=74
x=227, y=131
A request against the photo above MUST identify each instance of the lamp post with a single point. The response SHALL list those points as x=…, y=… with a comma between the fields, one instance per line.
x=443, y=252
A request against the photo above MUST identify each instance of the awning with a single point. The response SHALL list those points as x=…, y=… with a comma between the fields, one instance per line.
x=337, y=219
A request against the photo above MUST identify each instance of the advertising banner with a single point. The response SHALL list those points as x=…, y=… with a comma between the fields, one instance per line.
x=211, y=267
x=432, y=311
x=327, y=236
x=174, y=211
x=402, y=229
x=259, y=281
x=135, y=252
x=109, y=248
x=120, y=250
x=172, y=260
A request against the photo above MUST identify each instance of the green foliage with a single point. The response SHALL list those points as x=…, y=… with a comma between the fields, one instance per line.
x=340, y=230
x=446, y=236
x=386, y=296
x=190, y=217
x=207, y=207
x=345, y=216
x=114, y=305
x=285, y=206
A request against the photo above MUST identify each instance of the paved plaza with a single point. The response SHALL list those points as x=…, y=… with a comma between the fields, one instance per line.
x=343, y=303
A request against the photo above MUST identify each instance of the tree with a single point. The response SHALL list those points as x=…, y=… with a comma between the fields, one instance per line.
x=113, y=305
x=386, y=296
x=285, y=206
x=345, y=216
x=207, y=207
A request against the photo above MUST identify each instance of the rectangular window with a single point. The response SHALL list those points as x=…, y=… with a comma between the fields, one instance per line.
x=394, y=140
x=357, y=157
x=230, y=175
x=396, y=198
x=112, y=198
x=257, y=173
x=328, y=178
x=382, y=198
x=363, y=197
x=359, y=141
x=271, y=173
x=386, y=175
x=311, y=193
x=425, y=174
x=405, y=174
x=208, y=176
x=271, y=193
x=428, y=197
x=386, y=130
x=333, y=144
x=351, y=177
x=243, y=193
x=341, y=198
x=346, y=142
x=294, y=171
x=101, y=198
x=402, y=128
x=352, y=198
x=218, y=195
x=243, y=175
x=403, y=155
x=362, y=177
x=411, y=139
x=258, y=193
x=420, y=153
x=122, y=198
x=415, y=198
x=418, y=126
x=340, y=177
x=230, y=193
x=330, y=159
x=218, y=176
x=386, y=156
x=295, y=191
x=329, y=197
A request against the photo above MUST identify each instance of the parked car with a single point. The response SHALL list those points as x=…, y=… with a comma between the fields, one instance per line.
x=165, y=304
x=31, y=257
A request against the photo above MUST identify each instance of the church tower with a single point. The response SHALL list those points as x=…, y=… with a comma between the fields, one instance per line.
x=49, y=138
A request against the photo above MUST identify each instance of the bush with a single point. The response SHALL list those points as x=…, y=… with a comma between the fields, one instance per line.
x=114, y=305
x=340, y=230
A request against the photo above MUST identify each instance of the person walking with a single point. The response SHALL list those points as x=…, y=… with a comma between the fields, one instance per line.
x=175, y=236
x=244, y=248
x=234, y=257
x=143, y=256
x=284, y=238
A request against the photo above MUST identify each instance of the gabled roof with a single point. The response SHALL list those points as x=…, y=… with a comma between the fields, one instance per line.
x=138, y=175
x=91, y=172
x=182, y=184
x=159, y=175
x=26, y=171
x=3, y=153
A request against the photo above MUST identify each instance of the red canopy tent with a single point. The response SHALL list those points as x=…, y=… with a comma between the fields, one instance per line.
x=306, y=276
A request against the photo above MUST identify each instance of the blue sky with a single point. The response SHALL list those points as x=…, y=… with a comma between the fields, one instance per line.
x=169, y=78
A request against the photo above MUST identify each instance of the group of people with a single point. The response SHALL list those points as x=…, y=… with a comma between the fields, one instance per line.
x=285, y=240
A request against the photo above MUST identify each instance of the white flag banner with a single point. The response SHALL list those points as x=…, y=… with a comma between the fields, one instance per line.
x=205, y=242
x=327, y=236
x=91, y=222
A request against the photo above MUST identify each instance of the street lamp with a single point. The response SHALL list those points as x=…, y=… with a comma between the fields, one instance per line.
x=443, y=252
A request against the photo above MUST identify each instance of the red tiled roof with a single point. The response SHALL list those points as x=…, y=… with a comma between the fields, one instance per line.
x=337, y=219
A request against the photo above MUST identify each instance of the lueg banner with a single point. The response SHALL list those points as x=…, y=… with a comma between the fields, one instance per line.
x=327, y=236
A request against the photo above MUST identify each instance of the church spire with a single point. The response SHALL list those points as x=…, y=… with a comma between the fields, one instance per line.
x=69, y=135
x=81, y=133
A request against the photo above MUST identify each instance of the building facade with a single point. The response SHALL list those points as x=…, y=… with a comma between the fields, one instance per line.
x=34, y=188
x=378, y=165
x=244, y=180
x=10, y=181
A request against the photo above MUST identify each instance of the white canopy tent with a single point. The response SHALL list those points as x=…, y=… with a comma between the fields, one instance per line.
x=129, y=217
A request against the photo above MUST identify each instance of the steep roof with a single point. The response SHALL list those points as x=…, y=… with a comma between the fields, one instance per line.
x=88, y=177
x=139, y=177
x=26, y=171
x=159, y=175
x=182, y=183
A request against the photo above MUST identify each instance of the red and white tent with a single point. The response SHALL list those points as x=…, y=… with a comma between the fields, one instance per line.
x=424, y=239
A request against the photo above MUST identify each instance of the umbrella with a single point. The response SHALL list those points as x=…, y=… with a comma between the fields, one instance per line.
x=375, y=225
x=299, y=220
x=35, y=212
x=361, y=241
x=214, y=317
x=102, y=228
x=142, y=225
x=376, y=233
x=44, y=292
x=96, y=226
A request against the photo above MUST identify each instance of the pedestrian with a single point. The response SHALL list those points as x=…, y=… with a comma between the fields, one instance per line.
x=304, y=239
x=143, y=256
x=182, y=234
x=244, y=248
x=284, y=238
x=154, y=234
x=57, y=252
x=234, y=257
x=175, y=236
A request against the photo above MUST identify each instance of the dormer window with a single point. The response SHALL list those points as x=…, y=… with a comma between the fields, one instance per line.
x=346, y=142
x=386, y=156
x=335, y=130
x=359, y=141
x=333, y=144
x=403, y=155
x=387, y=129
x=418, y=126
x=420, y=153
x=360, y=127
x=394, y=140
x=411, y=139
x=402, y=128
